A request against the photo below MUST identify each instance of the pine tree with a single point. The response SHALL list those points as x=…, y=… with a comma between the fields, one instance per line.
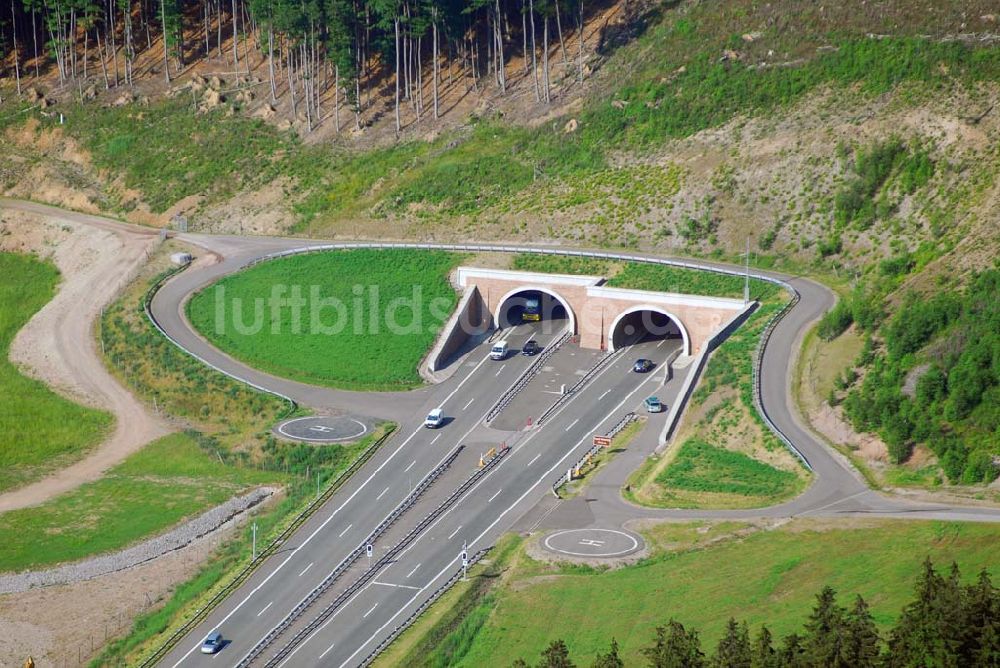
x=762, y=654
x=822, y=643
x=675, y=647
x=929, y=632
x=556, y=655
x=733, y=650
x=860, y=642
x=792, y=653
x=609, y=660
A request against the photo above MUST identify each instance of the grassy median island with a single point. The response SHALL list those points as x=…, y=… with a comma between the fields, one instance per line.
x=700, y=574
x=365, y=317
x=39, y=430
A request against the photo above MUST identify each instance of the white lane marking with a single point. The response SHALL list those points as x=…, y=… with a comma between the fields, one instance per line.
x=346, y=529
x=413, y=571
x=606, y=392
x=306, y=568
x=450, y=564
x=534, y=459
x=365, y=616
x=661, y=343
x=455, y=532
x=571, y=424
x=333, y=514
x=319, y=528
x=407, y=469
x=265, y=608
x=327, y=650
x=389, y=584
x=433, y=440
x=499, y=370
x=379, y=497
x=468, y=404
x=494, y=496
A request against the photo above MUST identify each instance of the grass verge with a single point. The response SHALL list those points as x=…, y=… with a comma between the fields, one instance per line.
x=363, y=320
x=703, y=574
x=40, y=431
x=172, y=479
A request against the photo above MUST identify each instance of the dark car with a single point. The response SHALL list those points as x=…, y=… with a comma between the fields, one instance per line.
x=642, y=365
x=530, y=348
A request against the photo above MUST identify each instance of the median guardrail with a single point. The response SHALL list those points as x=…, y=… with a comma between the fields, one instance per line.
x=508, y=396
x=383, y=561
x=242, y=576
x=350, y=559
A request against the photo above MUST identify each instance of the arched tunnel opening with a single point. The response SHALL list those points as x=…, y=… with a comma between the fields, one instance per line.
x=642, y=326
x=533, y=306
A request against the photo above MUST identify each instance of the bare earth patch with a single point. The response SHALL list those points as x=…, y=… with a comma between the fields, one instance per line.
x=57, y=345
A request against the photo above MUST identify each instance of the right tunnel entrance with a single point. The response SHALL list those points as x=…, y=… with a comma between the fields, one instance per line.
x=646, y=324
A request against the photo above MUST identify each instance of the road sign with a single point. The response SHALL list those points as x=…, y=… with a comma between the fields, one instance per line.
x=368, y=549
x=603, y=441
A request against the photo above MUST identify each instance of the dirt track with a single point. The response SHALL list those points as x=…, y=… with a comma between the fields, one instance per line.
x=57, y=345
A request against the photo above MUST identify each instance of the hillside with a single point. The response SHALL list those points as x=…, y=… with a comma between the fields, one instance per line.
x=857, y=143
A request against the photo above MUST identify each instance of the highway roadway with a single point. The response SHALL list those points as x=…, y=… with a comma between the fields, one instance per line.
x=515, y=486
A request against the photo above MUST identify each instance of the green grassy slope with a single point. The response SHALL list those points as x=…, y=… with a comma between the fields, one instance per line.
x=165, y=482
x=39, y=430
x=768, y=577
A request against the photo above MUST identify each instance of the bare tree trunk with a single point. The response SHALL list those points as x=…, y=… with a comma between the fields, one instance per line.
x=545, y=58
x=236, y=53
x=501, y=65
x=166, y=51
x=34, y=37
x=562, y=45
x=289, y=66
x=104, y=66
x=398, y=125
x=420, y=80
x=434, y=28
x=270, y=61
x=581, y=42
x=205, y=15
x=534, y=50
x=13, y=32
x=336, y=96
x=524, y=36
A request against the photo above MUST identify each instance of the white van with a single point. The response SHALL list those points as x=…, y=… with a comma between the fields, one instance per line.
x=434, y=419
x=499, y=350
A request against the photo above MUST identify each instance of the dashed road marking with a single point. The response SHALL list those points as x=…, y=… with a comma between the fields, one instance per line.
x=494, y=496
x=434, y=440
x=534, y=459
x=379, y=497
x=265, y=608
x=413, y=571
x=572, y=423
x=327, y=650
x=468, y=404
x=341, y=534
x=410, y=466
x=306, y=569
x=365, y=616
x=455, y=532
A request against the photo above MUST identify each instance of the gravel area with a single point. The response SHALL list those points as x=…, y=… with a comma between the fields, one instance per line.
x=176, y=539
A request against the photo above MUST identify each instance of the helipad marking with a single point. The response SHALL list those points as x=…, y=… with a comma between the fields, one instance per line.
x=322, y=429
x=592, y=543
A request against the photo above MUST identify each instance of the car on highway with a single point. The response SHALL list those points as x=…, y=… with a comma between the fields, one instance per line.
x=642, y=365
x=653, y=405
x=434, y=419
x=212, y=643
x=499, y=350
x=530, y=348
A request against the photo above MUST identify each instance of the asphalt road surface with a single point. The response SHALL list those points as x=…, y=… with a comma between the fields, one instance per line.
x=515, y=489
